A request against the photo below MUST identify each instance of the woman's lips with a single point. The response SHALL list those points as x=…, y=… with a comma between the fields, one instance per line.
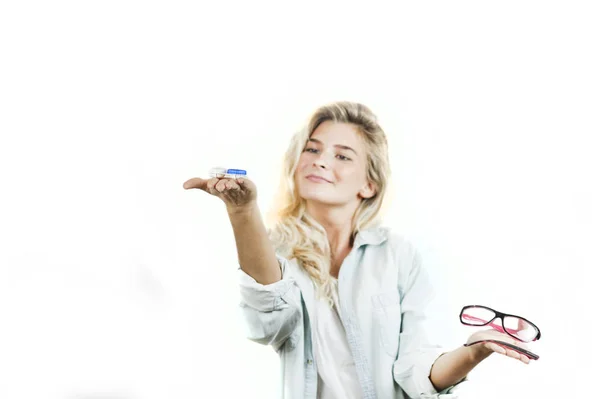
x=316, y=179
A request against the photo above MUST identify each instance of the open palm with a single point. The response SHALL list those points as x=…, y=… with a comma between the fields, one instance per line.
x=494, y=335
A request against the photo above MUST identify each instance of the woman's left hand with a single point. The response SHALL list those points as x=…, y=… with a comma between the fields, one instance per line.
x=491, y=347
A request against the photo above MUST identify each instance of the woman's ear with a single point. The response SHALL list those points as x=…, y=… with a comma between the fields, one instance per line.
x=368, y=191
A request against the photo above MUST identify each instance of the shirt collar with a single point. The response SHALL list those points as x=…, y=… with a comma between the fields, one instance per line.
x=371, y=236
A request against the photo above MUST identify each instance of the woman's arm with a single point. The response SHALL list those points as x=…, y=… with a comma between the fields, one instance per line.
x=451, y=367
x=416, y=353
x=255, y=252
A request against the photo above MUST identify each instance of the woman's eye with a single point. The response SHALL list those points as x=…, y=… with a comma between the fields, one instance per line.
x=315, y=150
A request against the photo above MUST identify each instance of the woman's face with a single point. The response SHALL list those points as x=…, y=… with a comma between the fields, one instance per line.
x=336, y=153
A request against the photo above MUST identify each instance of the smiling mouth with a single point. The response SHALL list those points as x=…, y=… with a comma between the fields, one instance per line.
x=317, y=179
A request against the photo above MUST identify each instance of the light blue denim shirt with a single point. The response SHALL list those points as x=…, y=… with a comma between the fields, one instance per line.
x=383, y=289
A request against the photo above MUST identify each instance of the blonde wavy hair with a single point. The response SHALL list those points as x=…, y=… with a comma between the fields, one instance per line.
x=292, y=231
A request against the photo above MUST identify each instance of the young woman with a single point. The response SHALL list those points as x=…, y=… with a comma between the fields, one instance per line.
x=340, y=297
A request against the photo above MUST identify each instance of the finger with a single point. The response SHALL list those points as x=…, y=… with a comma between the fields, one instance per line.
x=495, y=348
x=225, y=186
x=231, y=190
x=222, y=185
x=210, y=186
x=520, y=344
x=215, y=187
x=244, y=184
x=513, y=354
x=232, y=185
x=195, y=182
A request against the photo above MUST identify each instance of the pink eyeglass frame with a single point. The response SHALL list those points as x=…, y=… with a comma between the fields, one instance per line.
x=501, y=329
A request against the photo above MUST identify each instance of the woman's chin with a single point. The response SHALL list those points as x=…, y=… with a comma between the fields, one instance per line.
x=314, y=195
x=319, y=198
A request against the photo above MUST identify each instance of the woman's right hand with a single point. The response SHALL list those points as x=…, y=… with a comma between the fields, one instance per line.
x=237, y=194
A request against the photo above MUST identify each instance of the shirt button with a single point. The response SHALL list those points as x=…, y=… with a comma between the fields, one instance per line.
x=309, y=362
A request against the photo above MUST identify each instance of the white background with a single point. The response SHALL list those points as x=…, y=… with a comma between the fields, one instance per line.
x=117, y=283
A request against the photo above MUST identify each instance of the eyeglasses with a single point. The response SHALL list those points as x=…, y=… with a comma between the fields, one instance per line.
x=516, y=326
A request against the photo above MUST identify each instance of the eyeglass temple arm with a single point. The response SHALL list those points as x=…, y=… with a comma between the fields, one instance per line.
x=516, y=348
x=495, y=326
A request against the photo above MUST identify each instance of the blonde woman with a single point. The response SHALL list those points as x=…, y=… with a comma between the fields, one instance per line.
x=336, y=294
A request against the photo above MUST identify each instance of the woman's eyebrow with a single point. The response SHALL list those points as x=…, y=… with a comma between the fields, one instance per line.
x=343, y=147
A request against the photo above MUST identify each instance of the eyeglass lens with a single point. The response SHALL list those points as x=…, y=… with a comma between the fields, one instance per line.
x=515, y=326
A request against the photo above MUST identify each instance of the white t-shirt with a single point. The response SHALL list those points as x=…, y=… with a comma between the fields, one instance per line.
x=337, y=377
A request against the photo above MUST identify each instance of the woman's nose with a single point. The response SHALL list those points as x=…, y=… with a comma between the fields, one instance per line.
x=323, y=159
x=321, y=163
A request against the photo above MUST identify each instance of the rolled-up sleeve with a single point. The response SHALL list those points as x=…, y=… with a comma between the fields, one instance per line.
x=271, y=312
x=417, y=354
